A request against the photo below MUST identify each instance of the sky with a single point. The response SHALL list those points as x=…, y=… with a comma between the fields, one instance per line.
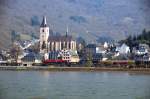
x=87, y=18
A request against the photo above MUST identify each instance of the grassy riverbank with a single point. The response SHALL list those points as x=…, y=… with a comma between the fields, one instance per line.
x=50, y=68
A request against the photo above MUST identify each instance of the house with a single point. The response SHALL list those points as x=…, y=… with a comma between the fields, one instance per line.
x=123, y=49
x=3, y=60
x=74, y=57
x=141, y=49
x=31, y=59
x=106, y=45
x=101, y=49
x=28, y=60
x=69, y=56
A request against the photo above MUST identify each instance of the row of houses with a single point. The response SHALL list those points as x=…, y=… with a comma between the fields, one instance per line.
x=106, y=51
x=96, y=52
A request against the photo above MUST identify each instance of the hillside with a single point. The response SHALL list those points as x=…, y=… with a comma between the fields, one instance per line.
x=143, y=38
x=90, y=19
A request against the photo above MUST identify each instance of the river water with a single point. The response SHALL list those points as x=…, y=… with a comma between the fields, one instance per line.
x=73, y=85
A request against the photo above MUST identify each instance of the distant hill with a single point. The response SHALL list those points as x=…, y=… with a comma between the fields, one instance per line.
x=116, y=18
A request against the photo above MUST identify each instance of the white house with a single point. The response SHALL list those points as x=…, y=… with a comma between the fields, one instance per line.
x=69, y=55
x=101, y=49
x=141, y=49
x=106, y=45
x=123, y=49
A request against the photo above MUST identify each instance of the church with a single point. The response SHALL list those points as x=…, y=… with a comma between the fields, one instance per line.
x=49, y=42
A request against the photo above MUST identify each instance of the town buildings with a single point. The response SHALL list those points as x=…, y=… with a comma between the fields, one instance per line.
x=57, y=47
x=64, y=47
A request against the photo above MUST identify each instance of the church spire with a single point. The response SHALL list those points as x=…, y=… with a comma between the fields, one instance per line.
x=67, y=31
x=44, y=22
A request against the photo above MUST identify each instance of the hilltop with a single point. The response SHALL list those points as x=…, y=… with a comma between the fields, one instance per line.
x=85, y=18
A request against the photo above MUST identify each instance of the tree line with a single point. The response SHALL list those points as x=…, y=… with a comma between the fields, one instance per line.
x=134, y=40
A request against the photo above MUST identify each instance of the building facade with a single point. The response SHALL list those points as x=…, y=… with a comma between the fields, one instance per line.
x=50, y=43
x=69, y=56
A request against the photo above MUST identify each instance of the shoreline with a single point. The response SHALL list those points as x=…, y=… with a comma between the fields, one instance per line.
x=52, y=68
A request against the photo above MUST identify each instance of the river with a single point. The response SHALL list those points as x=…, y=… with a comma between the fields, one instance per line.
x=74, y=85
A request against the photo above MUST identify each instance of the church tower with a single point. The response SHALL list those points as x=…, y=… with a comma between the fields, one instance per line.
x=44, y=35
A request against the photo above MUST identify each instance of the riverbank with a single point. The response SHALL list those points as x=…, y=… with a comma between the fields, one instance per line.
x=52, y=68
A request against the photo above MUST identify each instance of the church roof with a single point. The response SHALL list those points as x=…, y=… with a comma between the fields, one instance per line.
x=44, y=22
x=60, y=38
